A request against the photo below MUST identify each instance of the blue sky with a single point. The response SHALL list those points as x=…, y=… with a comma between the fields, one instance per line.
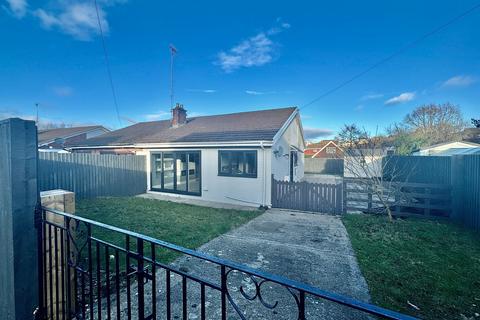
x=236, y=56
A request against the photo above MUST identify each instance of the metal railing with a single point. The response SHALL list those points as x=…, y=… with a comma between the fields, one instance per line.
x=126, y=277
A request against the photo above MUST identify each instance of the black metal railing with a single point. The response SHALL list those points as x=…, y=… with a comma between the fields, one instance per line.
x=85, y=276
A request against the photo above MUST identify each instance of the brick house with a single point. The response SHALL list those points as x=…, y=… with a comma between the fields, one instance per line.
x=323, y=149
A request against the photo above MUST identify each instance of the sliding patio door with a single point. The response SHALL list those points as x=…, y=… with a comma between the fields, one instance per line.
x=176, y=172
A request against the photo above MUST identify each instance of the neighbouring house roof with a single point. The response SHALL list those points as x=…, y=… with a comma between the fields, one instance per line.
x=465, y=144
x=314, y=149
x=243, y=126
x=50, y=135
x=320, y=144
x=450, y=148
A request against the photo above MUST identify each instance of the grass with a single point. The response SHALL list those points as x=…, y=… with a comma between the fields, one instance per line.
x=185, y=225
x=433, y=265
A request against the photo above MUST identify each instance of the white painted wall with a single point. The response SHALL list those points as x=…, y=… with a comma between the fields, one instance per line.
x=292, y=137
x=353, y=169
x=234, y=190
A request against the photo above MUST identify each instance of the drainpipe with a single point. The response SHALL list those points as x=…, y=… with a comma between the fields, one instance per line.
x=263, y=176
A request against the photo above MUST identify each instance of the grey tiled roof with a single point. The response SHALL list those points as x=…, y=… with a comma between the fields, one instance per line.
x=243, y=126
x=48, y=135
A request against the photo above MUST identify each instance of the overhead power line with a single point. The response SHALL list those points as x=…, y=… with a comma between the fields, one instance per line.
x=107, y=64
x=393, y=55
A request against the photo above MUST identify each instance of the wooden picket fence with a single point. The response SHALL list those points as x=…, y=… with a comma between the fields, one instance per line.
x=306, y=196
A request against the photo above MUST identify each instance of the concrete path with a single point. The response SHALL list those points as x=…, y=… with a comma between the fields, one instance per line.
x=310, y=248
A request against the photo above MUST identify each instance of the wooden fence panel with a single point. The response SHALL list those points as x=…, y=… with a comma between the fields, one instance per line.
x=466, y=189
x=91, y=175
x=422, y=169
x=306, y=196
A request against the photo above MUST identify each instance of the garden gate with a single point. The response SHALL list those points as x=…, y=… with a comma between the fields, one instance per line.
x=307, y=196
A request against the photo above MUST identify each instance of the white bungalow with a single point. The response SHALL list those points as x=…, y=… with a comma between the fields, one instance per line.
x=227, y=158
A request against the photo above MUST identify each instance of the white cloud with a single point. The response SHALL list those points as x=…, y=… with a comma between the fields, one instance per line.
x=459, y=81
x=63, y=91
x=253, y=52
x=157, y=115
x=258, y=93
x=402, y=98
x=315, y=133
x=254, y=93
x=359, y=107
x=372, y=96
x=202, y=90
x=76, y=19
x=18, y=8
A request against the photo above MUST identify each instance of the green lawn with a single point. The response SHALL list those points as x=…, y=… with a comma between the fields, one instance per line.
x=434, y=266
x=185, y=225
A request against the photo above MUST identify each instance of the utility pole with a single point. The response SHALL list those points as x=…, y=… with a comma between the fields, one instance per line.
x=173, y=52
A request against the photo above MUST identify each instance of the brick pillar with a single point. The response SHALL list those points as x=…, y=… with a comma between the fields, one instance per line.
x=18, y=196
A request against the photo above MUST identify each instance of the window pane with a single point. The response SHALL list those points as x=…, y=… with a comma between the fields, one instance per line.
x=194, y=172
x=181, y=171
x=168, y=172
x=156, y=171
x=236, y=163
x=225, y=162
x=251, y=163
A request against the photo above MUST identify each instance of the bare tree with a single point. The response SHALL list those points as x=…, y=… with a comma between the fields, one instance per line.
x=435, y=123
x=366, y=160
x=43, y=125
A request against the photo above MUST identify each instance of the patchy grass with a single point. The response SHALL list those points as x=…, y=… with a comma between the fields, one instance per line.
x=185, y=225
x=433, y=265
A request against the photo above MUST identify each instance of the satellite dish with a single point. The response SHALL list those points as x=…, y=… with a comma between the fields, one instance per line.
x=280, y=151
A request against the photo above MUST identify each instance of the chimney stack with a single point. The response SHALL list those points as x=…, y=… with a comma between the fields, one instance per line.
x=179, y=115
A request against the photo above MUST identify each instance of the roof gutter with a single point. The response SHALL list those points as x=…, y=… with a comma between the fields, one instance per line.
x=182, y=145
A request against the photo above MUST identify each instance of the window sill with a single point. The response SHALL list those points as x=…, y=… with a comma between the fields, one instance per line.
x=238, y=176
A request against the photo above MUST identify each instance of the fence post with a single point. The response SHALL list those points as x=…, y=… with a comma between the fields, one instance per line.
x=344, y=200
x=274, y=192
x=338, y=199
x=19, y=294
x=305, y=196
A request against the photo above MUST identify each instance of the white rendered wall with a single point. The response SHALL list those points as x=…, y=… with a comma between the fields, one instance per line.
x=234, y=190
x=292, y=137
